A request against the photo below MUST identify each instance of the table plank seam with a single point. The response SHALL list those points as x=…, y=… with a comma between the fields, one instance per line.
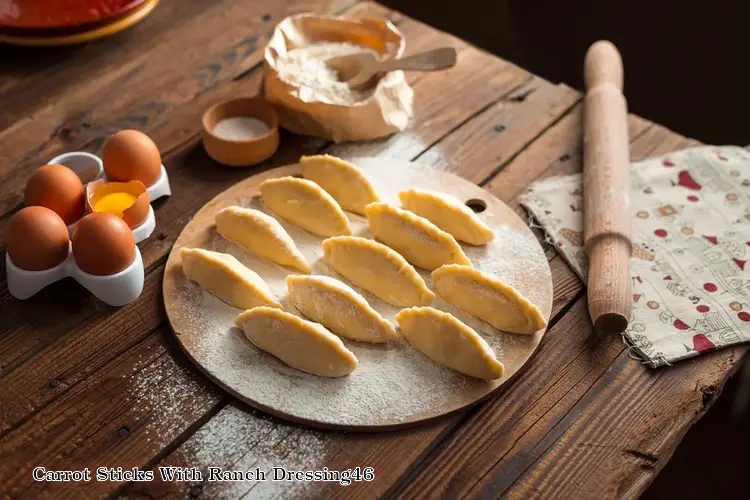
x=531, y=407
x=180, y=439
x=289, y=434
x=416, y=466
x=551, y=408
x=541, y=454
x=158, y=263
x=235, y=462
x=578, y=296
x=605, y=373
x=502, y=166
x=19, y=362
x=117, y=354
x=114, y=416
x=132, y=116
x=331, y=458
x=471, y=117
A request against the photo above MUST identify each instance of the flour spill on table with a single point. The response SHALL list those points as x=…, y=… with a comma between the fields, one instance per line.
x=394, y=383
x=238, y=439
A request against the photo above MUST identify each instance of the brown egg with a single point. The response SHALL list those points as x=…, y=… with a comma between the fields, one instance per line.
x=130, y=155
x=103, y=244
x=57, y=188
x=37, y=239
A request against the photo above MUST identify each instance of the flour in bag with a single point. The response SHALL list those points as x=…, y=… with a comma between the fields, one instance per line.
x=306, y=69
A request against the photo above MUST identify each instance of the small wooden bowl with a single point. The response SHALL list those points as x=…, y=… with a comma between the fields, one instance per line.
x=241, y=153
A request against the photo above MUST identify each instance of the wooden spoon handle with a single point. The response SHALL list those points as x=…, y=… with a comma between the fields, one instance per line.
x=606, y=181
x=431, y=60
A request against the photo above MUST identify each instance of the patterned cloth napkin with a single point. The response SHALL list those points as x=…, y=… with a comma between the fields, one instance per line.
x=691, y=237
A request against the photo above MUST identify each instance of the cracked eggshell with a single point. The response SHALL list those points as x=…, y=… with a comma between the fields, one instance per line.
x=136, y=214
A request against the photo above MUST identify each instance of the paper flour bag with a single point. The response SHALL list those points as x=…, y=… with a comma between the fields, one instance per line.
x=305, y=92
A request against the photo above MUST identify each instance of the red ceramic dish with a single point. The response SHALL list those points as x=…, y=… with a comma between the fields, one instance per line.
x=61, y=15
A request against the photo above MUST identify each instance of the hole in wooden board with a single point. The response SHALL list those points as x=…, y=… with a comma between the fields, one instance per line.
x=477, y=205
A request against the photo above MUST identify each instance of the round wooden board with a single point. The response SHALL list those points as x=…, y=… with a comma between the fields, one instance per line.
x=394, y=385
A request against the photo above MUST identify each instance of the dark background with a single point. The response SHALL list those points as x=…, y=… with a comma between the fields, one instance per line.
x=685, y=66
x=685, y=60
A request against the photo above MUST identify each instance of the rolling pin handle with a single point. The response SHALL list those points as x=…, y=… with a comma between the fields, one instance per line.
x=603, y=65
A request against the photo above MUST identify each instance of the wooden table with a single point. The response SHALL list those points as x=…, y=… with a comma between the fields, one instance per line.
x=87, y=385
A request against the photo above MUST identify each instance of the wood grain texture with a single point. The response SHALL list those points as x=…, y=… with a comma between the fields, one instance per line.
x=93, y=423
x=483, y=146
x=30, y=333
x=379, y=450
x=176, y=130
x=65, y=334
x=88, y=384
x=135, y=89
x=604, y=424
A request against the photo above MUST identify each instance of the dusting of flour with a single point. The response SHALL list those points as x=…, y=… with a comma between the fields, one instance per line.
x=306, y=69
x=394, y=383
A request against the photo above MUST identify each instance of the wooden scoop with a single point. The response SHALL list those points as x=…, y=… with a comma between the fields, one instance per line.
x=606, y=184
x=358, y=69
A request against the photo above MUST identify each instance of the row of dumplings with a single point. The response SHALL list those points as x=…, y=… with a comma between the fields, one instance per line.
x=371, y=265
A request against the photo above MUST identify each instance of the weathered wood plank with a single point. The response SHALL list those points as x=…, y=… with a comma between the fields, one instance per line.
x=94, y=341
x=255, y=438
x=559, y=150
x=146, y=440
x=136, y=88
x=381, y=449
x=27, y=71
x=478, y=80
x=28, y=333
x=474, y=153
x=93, y=423
x=574, y=441
x=623, y=429
x=72, y=364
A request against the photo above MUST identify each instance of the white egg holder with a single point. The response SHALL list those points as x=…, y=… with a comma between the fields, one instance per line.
x=89, y=167
x=114, y=289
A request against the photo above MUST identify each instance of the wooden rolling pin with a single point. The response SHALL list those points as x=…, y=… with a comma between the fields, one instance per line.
x=606, y=187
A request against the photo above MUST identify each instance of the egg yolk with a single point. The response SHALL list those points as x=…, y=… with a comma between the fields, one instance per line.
x=115, y=203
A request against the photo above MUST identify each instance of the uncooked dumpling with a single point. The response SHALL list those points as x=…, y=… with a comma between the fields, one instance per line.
x=301, y=344
x=261, y=234
x=226, y=277
x=341, y=179
x=339, y=308
x=306, y=204
x=488, y=298
x=378, y=269
x=449, y=214
x=447, y=341
x=420, y=241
